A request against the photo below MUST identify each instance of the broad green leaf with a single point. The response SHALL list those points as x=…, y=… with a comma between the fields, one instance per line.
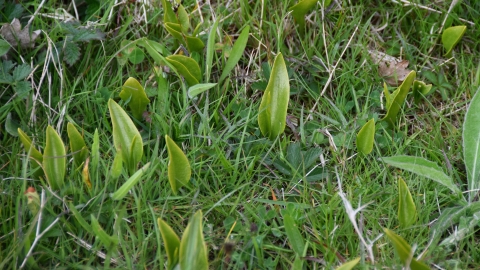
x=136, y=56
x=171, y=242
x=197, y=89
x=236, y=53
x=108, y=241
x=193, y=251
x=471, y=145
x=117, y=166
x=210, y=50
x=294, y=236
x=168, y=14
x=35, y=155
x=176, y=31
x=365, y=137
x=273, y=108
x=179, y=171
x=398, y=98
x=79, y=218
x=187, y=67
x=54, y=159
x=123, y=190
x=77, y=145
x=124, y=132
x=423, y=168
x=183, y=19
x=420, y=88
x=133, y=92
x=407, y=212
x=451, y=36
x=349, y=265
x=194, y=44
x=404, y=251
x=300, y=10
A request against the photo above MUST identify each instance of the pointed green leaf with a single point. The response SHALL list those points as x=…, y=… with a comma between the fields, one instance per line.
x=183, y=19
x=407, y=212
x=133, y=92
x=77, y=145
x=365, y=137
x=171, y=242
x=420, y=88
x=197, y=89
x=108, y=241
x=32, y=151
x=176, y=31
x=422, y=167
x=54, y=159
x=300, y=10
x=398, y=98
x=471, y=145
x=273, y=108
x=194, y=44
x=168, y=14
x=451, y=36
x=136, y=56
x=404, y=251
x=210, y=50
x=179, y=171
x=236, y=53
x=193, y=251
x=124, y=131
x=349, y=265
x=187, y=67
x=294, y=236
x=117, y=166
x=123, y=190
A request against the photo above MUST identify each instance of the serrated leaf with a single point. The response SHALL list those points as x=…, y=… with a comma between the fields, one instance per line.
x=420, y=88
x=71, y=53
x=349, y=265
x=197, y=89
x=236, y=53
x=294, y=236
x=22, y=89
x=451, y=36
x=108, y=241
x=21, y=72
x=404, y=251
x=179, y=171
x=125, y=188
x=187, y=67
x=171, y=242
x=471, y=146
x=398, y=98
x=133, y=92
x=423, y=168
x=273, y=108
x=54, y=159
x=86, y=34
x=193, y=251
x=365, y=137
x=77, y=145
x=124, y=131
x=407, y=212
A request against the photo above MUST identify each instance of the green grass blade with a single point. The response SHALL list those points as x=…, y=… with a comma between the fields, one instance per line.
x=471, y=145
x=108, y=241
x=210, y=50
x=54, y=159
x=236, y=53
x=123, y=190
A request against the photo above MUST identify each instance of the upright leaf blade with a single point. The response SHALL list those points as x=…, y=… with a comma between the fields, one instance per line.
x=422, y=167
x=471, y=145
x=108, y=241
x=398, y=98
x=407, y=212
x=54, y=159
x=404, y=251
x=133, y=92
x=33, y=152
x=365, y=137
x=123, y=190
x=294, y=236
x=300, y=10
x=273, y=108
x=349, y=265
x=77, y=145
x=451, y=36
x=171, y=242
x=124, y=131
x=193, y=251
x=179, y=171
x=210, y=50
x=236, y=53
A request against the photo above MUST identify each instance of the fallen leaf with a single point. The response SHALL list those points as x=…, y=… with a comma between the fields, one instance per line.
x=15, y=35
x=392, y=69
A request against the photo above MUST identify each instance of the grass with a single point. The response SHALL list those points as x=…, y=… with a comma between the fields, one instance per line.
x=241, y=180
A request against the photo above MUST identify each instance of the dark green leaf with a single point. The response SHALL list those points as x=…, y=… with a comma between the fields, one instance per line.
x=71, y=53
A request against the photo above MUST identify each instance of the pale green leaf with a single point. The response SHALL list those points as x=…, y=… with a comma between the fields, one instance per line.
x=294, y=236
x=404, y=251
x=194, y=44
x=133, y=92
x=365, y=137
x=349, y=265
x=171, y=242
x=273, y=108
x=176, y=31
x=451, y=36
x=471, y=146
x=168, y=14
x=123, y=190
x=54, y=159
x=95, y=152
x=187, y=67
x=300, y=10
x=197, y=89
x=77, y=145
x=407, y=212
x=179, y=171
x=423, y=168
x=420, y=88
x=136, y=56
x=398, y=98
x=183, y=19
x=236, y=53
x=27, y=144
x=117, y=166
x=193, y=251
x=210, y=50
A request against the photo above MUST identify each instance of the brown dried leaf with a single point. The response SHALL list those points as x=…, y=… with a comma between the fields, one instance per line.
x=392, y=69
x=15, y=35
